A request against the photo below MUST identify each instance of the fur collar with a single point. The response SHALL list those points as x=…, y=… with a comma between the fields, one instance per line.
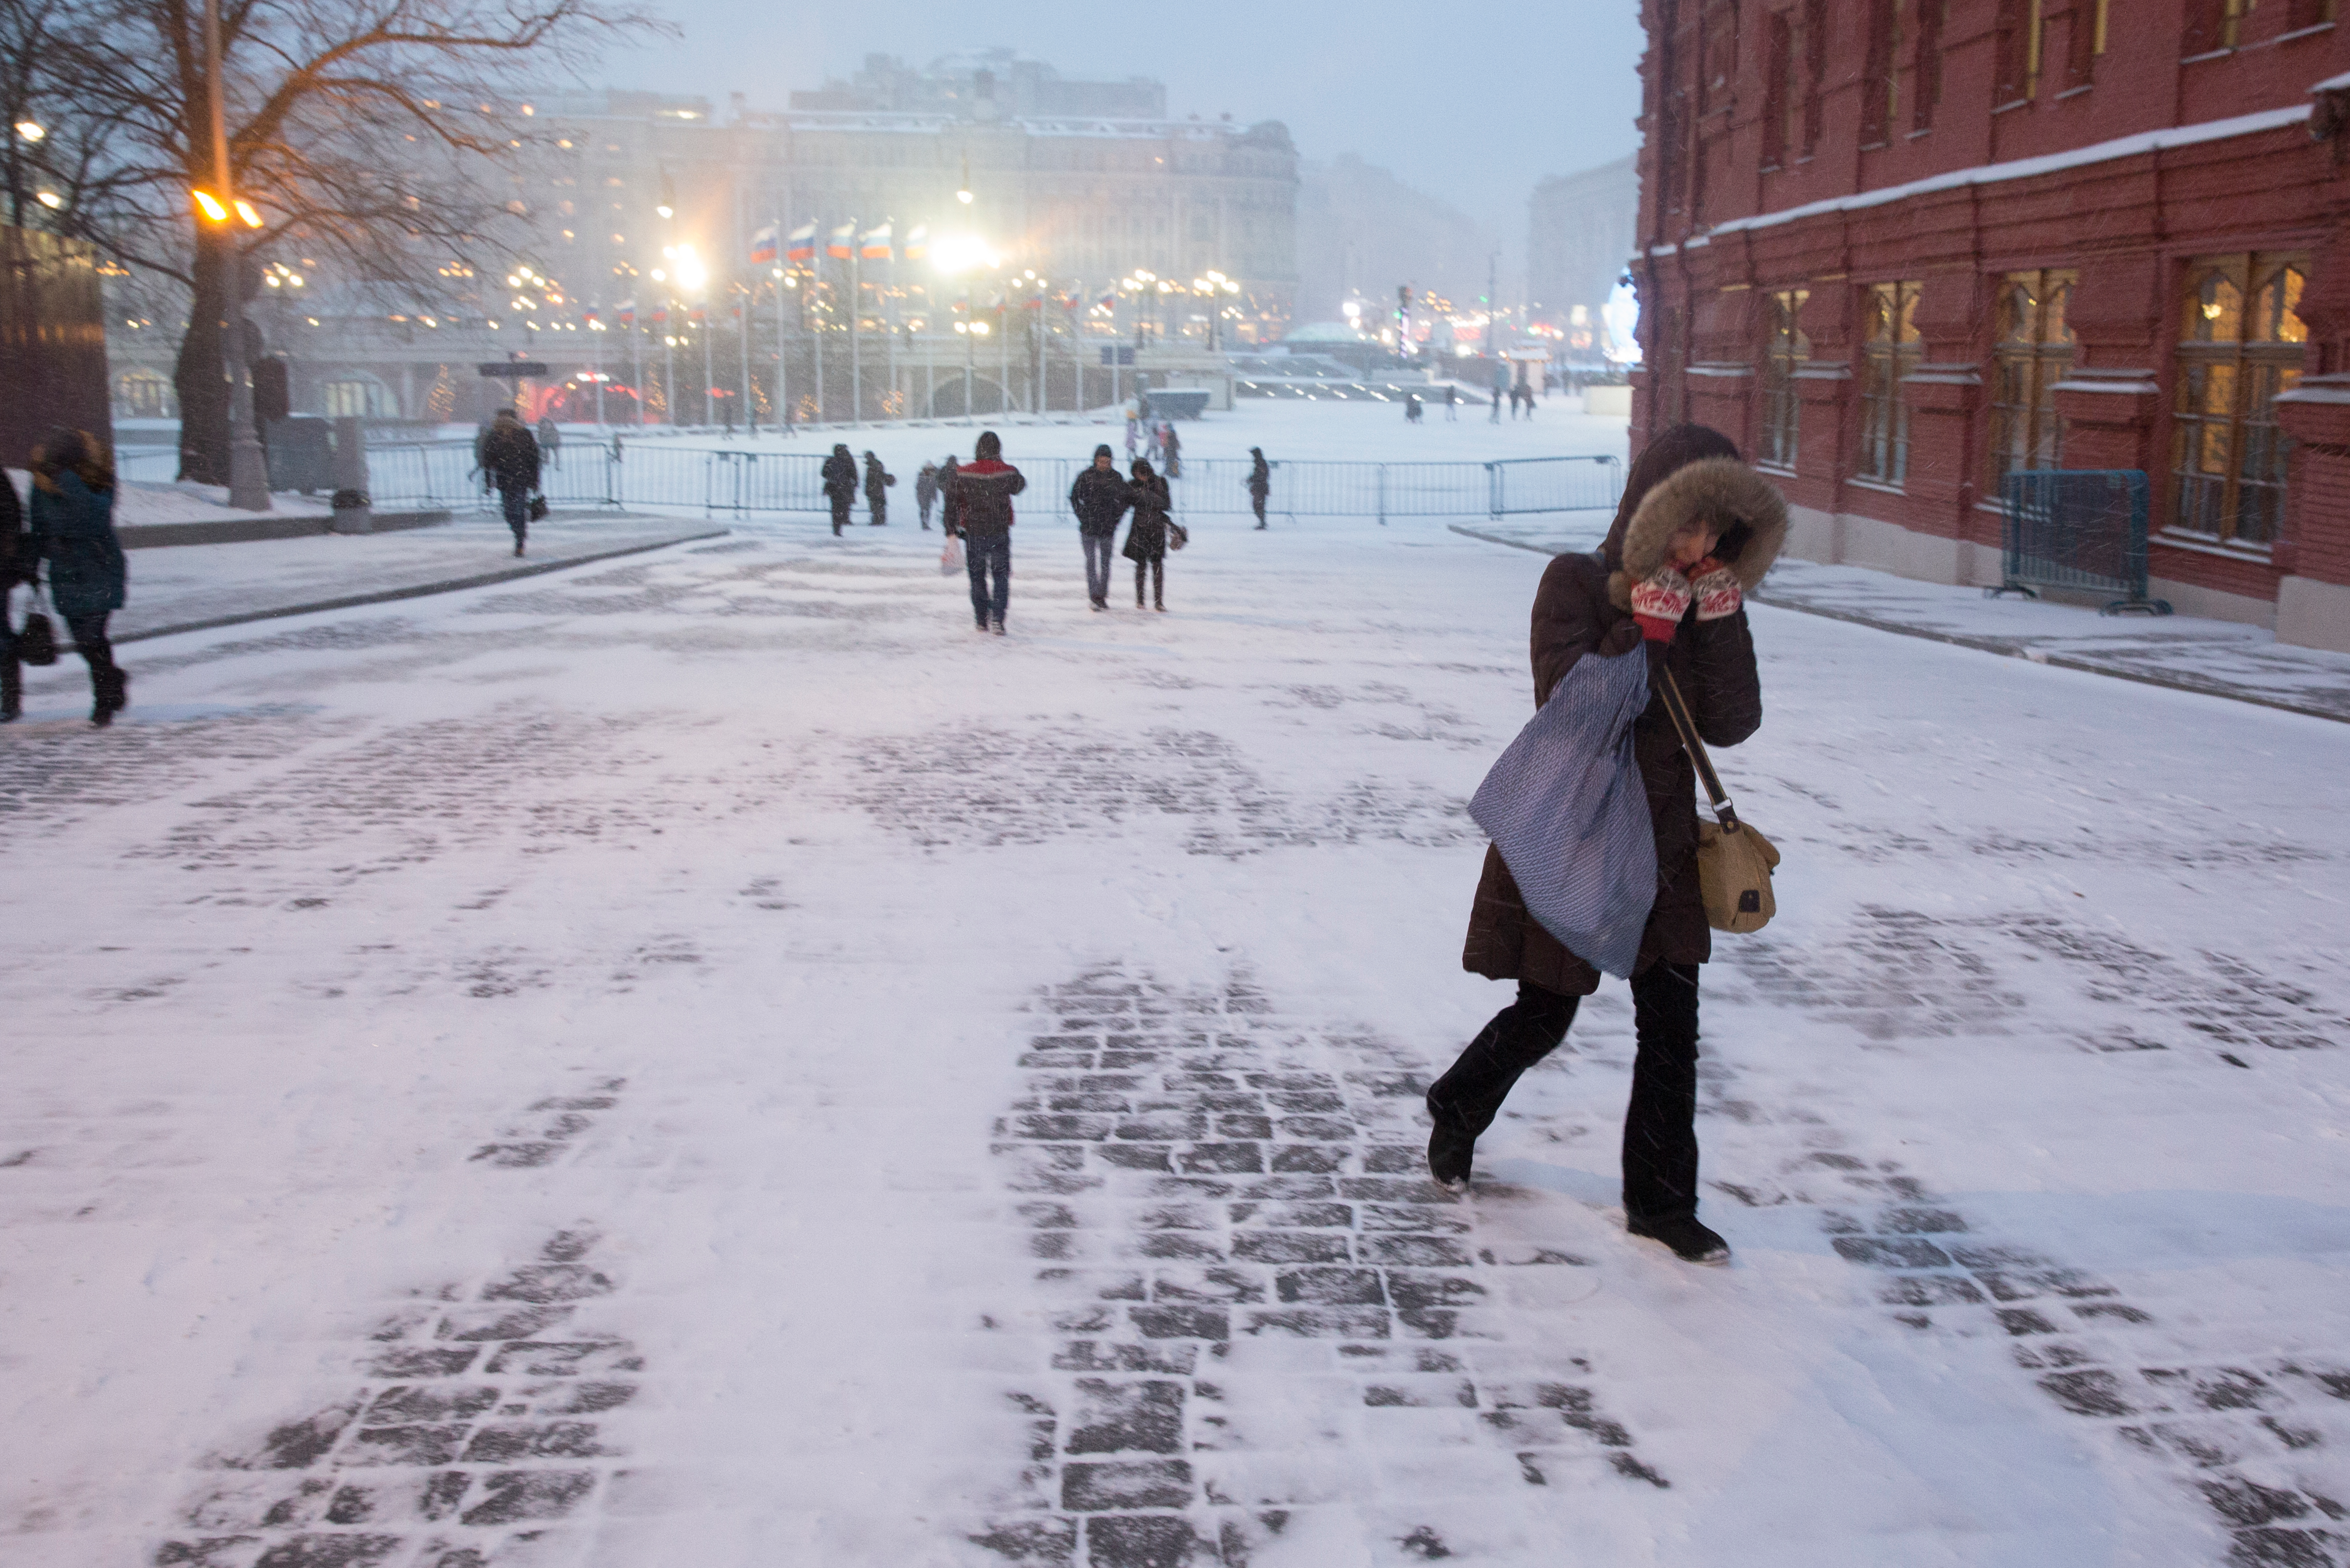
x=1748, y=510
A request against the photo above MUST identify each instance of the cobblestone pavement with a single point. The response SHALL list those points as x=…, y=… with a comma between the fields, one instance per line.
x=701, y=1060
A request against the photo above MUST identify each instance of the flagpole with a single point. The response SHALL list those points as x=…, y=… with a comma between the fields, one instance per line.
x=783, y=255
x=856, y=337
x=822, y=410
x=599, y=337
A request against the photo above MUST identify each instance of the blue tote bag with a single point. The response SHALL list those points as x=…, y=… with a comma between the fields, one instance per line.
x=1565, y=806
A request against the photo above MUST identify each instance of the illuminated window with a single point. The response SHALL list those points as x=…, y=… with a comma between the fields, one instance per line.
x=2034, y=352
x=1890, y=353
x=1785, y=349
x=2241, y=342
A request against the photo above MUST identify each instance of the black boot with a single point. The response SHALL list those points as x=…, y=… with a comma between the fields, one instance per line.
x=1690, y=1241
x=1452, y=1149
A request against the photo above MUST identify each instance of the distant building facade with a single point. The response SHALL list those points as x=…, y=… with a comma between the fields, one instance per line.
x=1898, y=248
x=1579, y=229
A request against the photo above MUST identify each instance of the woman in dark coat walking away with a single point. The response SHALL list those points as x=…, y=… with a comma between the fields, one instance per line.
x=1146, y=538
x=1696, y=530
x=73, y=530
x=877, y=481
x=16, y=561
x=839, y=476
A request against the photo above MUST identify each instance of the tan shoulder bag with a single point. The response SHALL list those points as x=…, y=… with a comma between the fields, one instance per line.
x=1733, y=860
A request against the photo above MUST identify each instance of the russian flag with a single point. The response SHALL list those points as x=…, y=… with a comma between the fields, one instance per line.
x=627, y=311
x=803, y=247
x=842, y=242
x=1108, y=301
x=918, y=242
x=875, y=245
x=763, y=249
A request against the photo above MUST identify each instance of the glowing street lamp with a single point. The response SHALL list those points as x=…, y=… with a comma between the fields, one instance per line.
x=32, y=129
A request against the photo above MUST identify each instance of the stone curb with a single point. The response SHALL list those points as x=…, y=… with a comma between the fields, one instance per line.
x=1995, y=645
x=420, y=591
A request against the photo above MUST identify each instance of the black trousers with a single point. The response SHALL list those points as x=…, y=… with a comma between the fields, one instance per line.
x=1155, y=567
x=106, y=679
x=839, y=513
x=1660, y=1123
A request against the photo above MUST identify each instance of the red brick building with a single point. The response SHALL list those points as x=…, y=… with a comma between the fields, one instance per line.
x=1898, y=247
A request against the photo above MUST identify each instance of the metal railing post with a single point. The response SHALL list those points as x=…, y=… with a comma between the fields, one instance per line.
x=1383, y=495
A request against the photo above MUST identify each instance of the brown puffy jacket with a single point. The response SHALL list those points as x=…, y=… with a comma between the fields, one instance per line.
x=1584, y=607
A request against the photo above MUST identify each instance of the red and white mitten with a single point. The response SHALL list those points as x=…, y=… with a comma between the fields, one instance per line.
x=1716, y=589
x=1660, y=602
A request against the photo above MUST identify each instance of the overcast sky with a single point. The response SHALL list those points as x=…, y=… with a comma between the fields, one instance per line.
x=1474, y=101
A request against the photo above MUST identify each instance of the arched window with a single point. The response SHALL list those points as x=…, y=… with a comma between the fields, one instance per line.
x=2033, y=352
x=2241, y=342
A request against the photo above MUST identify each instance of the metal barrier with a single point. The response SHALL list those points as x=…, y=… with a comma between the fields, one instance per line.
x=2082, y=530
x=607, y=475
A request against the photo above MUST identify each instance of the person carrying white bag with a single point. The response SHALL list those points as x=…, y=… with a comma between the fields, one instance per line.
x=1659, y=611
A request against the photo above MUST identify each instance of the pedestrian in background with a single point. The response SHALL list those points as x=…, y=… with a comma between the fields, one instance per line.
x=509, y=458
x=1260, y=483
x=979, y=499
x=1146, y=537
x=839, y=476
x=1695, y=530
x=73, y=530
x=1151, y=448
x=878, y=481
x=17, y=563
x=1171, y=445
x=1451, y=401
x=926, y=490
x=550, y=441
x=1411, y=407
x=1496, y=418
x=1099, y=498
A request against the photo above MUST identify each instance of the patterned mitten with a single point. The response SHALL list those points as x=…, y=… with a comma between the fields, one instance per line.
x=1715, y=586
x=1660, y=602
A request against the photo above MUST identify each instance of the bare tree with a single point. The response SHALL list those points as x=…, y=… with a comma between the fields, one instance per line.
x=370, y=131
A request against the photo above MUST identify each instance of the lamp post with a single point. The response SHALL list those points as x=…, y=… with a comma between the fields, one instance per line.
x=248, y=470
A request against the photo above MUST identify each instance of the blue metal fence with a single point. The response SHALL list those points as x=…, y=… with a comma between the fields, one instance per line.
x=2078, y=530
x=601, y=474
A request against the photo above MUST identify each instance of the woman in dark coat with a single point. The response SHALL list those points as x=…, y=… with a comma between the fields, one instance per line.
x=1696, y=530
x=15, y=567
x=1146, y=537
x=73, y=530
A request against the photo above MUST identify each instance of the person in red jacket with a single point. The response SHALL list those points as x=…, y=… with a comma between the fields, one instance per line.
x=979, y=498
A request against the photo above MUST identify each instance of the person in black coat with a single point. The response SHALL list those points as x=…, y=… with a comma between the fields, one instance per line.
x=878, y=481
x=1099, y=498
x=1695, y=530
x=509, y=456
x=73, y=533
x=925, y=491
x=1145, y=539
x=839, y=475
x=16, y=563
x=1260, y=483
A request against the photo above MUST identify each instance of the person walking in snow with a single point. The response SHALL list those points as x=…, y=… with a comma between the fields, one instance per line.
x=1099, y=498
x=550, y=441
x=509, y=456
x=878, y=481
x=1411, y=407
x=839, y=476
x=73, y=530
x=1171, y=445
x=926, y=491
x=1260, y=483
x=1451, y=401
x=1496, y=418
x=1696, y=529
x=1146, y=537
x=18, y=565
x=978, y=502
x=1150, y=449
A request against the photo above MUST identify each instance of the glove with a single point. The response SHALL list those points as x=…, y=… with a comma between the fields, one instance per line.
x=1660, y=602
x=1715, y=587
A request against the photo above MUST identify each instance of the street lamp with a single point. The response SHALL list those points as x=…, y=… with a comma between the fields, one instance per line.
x=248, y=470
x=32, y=129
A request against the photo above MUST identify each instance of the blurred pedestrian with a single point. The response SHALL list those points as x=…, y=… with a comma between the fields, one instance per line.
x=926, y=491
x=1099, y=498
x=1151, y=448
x=510, y=462
x=839, y=476
x=1171, y=445
x=980, y=497
x=1497, y=408
x=1695, y=530
x=73, y=530
x=550, y=441
x=877, y=481
x=1146, y=537
x=1260, y=483
x=1411, y=407
x=1451, y=401
x=17, y=563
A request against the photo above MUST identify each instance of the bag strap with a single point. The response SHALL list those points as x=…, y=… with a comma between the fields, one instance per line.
x=1724, y=813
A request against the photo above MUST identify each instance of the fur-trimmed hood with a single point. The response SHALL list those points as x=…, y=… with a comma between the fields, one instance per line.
x=1746, y=507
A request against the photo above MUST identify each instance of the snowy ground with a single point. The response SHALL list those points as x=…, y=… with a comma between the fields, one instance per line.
x=703, y=1060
